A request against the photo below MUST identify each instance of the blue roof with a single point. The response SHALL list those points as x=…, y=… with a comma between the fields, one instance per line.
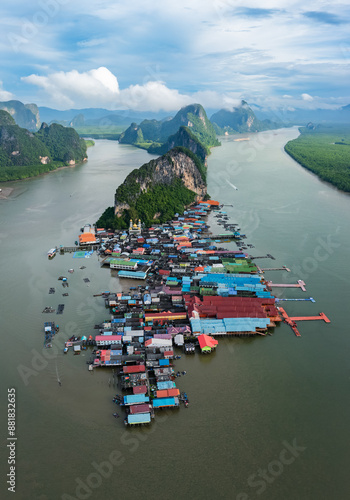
x=159, y=402
x=164, y=362
x=132, y=399
x=168, y=384
x=132, y=274
x=139, y=418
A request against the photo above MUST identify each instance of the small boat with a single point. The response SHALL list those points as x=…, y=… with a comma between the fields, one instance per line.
x=71, y=270
x=51, y=253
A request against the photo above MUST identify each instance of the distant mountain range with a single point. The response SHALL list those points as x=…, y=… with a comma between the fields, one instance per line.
x=96, y=116
x=159, y=126
x=299, y=116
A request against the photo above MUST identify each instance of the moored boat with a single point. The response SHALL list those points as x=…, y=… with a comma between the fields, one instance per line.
x=51, y=253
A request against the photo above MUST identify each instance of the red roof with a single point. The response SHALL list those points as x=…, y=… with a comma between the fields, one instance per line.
x=134, y=369
x=139, y=389
x=139, y=409
x=211, y=202
x=168, y=393
x=111, y=338
x=207, y=341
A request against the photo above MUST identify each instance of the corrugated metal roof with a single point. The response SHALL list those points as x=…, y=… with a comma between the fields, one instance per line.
x=140, y=418
x=133, y=399
x=162, y=402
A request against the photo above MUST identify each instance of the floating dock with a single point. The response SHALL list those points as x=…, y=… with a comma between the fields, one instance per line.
x=300, y=284
x=291, y=320
x=311, y=299
x=283, y=268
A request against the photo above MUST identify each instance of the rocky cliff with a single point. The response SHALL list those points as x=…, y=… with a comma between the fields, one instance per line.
x=152, y=131
x=25, y=115
x=157, y=190
x=186, y=139
x=175, y=165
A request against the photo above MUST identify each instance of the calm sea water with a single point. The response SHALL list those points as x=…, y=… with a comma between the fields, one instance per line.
x=250, y=402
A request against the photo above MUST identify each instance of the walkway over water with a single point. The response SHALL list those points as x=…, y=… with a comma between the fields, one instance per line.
x=291, y=320
x=300, y=284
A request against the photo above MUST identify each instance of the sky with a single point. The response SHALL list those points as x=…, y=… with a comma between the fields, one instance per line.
x=161, y=55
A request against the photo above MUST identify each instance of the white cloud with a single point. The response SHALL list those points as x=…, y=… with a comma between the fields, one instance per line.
x=307, y=97
x=95, y=87
x=4, y=94
x=99, y=87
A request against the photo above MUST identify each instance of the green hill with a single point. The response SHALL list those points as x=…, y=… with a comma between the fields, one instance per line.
x=149, y=132
x=63, y=143
x=25, y=115
x=240, y=119
x=25, y=154
x=6, y=118
x=157, y=190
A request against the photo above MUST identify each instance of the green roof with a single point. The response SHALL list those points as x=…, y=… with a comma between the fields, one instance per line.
x=122, y=262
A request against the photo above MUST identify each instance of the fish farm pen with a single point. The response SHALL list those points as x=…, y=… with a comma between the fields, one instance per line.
x=189, y=292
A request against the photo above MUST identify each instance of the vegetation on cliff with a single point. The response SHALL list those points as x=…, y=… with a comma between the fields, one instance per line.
x=63, y=143
x=324, y=151
x=157, y=190
x=25, y=115
x=162, y=201
x=25, y=154
x=184, y=137
x=149, y=132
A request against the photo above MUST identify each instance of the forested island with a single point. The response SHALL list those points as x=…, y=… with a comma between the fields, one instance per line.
x=25, y=154
x=325, y=151
x=158, y=190
x=152, y=134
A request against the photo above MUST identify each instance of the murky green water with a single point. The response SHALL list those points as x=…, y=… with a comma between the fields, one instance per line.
x=248, y=401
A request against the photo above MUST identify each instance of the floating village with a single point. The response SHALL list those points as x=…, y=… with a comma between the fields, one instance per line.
x=188, y=292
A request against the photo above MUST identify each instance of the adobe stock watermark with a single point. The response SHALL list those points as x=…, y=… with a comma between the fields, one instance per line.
x=264, y=477
x=259, y=481
x=40, y=360
x=31, y=26
x=85, y=488
x=247, y=152
x=323, y=250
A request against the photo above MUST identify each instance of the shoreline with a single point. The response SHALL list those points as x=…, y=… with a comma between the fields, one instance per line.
x=5, y=193
x=39, y=175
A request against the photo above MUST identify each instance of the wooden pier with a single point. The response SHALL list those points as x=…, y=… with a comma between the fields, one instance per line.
x=267, y=256
x=291, y=320
x=283, y=268
x=311, y=299
x=85, y=248
x=300, y=284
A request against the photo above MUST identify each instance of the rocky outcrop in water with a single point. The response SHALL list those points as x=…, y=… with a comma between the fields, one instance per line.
x=176, y=165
